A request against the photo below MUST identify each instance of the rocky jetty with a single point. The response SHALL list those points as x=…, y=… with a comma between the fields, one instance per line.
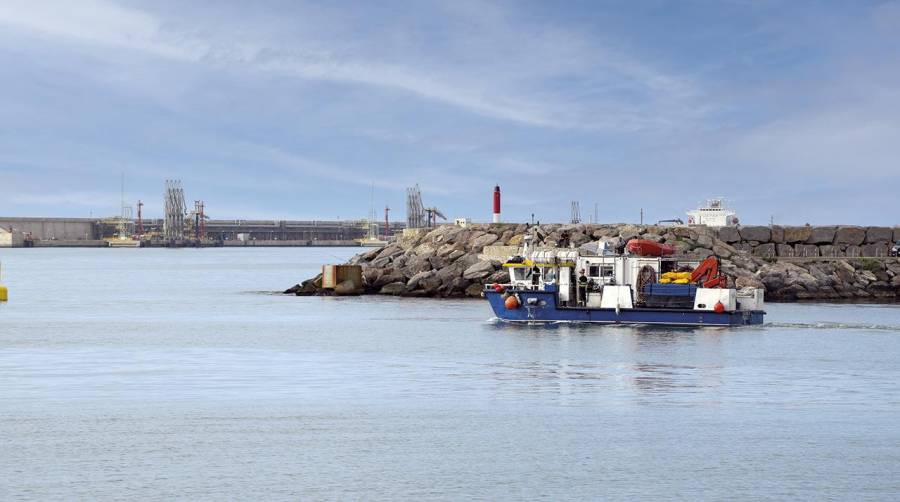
x=791, y=263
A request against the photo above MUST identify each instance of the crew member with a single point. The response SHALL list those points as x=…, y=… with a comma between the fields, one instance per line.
x=582, y=287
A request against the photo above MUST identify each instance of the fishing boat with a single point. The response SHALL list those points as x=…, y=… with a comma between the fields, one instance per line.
x=644, y=283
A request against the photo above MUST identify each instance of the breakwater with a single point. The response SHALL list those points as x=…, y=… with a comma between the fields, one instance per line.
x=791, y=263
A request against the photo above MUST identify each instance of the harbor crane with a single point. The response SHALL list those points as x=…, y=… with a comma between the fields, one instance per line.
x=431, y=216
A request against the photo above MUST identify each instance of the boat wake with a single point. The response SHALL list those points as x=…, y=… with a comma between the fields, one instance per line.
x=833, y=325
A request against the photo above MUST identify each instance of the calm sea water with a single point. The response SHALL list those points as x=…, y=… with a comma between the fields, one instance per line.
x=176, y=374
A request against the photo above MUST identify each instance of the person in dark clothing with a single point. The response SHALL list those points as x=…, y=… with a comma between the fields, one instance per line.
x=582, y=287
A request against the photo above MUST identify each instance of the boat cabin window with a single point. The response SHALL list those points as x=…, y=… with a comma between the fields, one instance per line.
x=594, y=271
x=607, y=271
x=549, y=274
x=518, y=273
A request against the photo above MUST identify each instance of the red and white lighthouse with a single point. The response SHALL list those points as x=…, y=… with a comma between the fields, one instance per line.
x=496, y=204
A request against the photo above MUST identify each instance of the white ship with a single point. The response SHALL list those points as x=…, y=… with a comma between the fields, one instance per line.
x=714, y=214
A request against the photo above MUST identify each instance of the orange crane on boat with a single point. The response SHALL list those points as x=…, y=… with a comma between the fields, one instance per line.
x=708, y=275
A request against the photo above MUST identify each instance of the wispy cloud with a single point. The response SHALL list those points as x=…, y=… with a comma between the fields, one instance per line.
x=492, y=85
x=289, y=105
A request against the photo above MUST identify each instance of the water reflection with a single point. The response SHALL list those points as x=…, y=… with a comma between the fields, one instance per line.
x=613, y=361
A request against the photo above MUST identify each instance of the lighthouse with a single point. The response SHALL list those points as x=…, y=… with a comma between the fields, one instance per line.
x=496, y=204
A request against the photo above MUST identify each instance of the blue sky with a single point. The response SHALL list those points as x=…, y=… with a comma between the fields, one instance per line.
x=291, y=110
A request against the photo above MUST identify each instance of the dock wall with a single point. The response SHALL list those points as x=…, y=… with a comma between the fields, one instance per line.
x=291, y=243
x=69, y=229
x=300, y=232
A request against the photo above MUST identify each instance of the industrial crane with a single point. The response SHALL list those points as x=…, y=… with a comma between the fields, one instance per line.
x=431, y=216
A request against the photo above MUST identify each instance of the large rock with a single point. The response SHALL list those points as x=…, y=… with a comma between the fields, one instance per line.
x=806, y=250
x=346, y=288
x=748, y=282
x=483, y=241
x=579, y=239
x=456, y=287
x=388, y=276
x=822, y=235
x=446, y=249
x=448, y=273
x=765, y=250
x=844, y=271
x=761, y=234
x=879, y=234
x=394, y=288
x=430, y=284
x=681, y=247
x=474, y=290
x=479, y=270
x=793, y=235
x=414, y=281
x=390, y=251
x=879, y=249
x=723, y=250
x=381, y=261
x=371, y=275
x=729, y=234
x=705, y=241
x=308, y=287
x=778, y=234
x=628, y=232
x=784, y=250
x=418, y=264
x=850, y=235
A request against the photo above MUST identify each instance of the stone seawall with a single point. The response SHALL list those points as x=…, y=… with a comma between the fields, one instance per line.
x=811, y=242
x=450, y=261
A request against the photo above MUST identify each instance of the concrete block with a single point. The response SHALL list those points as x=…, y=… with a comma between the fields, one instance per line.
x=850, y=235
x=796, y=234
x=830, y=250
x=765, y=250
x=761, y=234
x=822, y=235
x=778, y=234
x=876, y=249
x=784, y=250
x=729, y=234
x=806, y=250
x=879, y=234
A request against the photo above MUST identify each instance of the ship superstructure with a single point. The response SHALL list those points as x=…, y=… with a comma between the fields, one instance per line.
x=714, y=214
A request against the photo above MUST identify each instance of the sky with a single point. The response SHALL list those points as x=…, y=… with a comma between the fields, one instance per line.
x=300, y=110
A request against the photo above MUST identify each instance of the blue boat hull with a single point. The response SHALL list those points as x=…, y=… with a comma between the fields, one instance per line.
x=541, y=306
